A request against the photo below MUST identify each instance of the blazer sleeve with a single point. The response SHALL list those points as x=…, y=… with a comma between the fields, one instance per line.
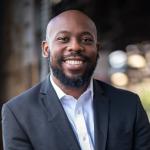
x=142, y=129
x=14, y=137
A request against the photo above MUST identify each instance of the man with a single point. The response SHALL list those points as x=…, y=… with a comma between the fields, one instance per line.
x=70, y=110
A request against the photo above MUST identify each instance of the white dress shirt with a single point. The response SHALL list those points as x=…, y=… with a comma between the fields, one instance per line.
x=80, y=114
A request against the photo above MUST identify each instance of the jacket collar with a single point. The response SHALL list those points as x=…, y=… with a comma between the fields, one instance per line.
x=57, y=116
x=101, y=115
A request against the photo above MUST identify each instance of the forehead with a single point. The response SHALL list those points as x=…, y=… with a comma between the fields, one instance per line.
x=71, y=21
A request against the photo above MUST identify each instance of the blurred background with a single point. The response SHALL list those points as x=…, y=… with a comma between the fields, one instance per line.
x=123, y=31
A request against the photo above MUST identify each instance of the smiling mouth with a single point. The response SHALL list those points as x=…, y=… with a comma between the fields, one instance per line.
x=74, y=62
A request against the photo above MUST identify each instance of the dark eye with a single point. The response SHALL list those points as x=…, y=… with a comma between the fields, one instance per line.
x=63, y=39
x=87, y=40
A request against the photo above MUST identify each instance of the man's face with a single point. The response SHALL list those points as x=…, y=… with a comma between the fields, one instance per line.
x=73, y=49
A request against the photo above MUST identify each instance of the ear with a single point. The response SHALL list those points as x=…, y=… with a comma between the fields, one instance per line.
x=45, y=49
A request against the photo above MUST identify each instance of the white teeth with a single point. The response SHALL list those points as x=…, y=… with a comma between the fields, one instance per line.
x=74, y=62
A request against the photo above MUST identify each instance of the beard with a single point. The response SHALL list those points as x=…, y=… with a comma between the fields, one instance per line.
x=79, y=80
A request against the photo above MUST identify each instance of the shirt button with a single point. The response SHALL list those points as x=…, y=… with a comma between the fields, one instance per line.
x=78, y=112
x=84, y=138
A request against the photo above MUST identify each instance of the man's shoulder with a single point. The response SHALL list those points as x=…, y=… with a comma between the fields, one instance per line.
x=120, y=99
x=28, y=97
x=26, y=105
x=113, y=91
x=25, y=96
x=108, y=87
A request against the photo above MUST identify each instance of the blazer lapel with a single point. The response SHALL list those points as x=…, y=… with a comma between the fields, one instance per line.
x=57, y=117
x=101, y=113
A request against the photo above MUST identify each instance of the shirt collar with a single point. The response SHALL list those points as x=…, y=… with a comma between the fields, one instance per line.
x=58, y=91
x=61, y=94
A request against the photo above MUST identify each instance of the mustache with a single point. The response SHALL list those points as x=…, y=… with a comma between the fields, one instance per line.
x=75, y=54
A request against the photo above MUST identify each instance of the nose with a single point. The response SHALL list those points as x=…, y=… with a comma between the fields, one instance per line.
x=75, y=45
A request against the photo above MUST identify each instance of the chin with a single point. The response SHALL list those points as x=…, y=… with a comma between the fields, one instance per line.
x=74, y=76
x=73, y=79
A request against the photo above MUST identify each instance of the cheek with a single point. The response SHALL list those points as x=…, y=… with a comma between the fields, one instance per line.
x=55, y=59
x=93, y=58
x=53, y=54
x=56, y=51
x=93, y=54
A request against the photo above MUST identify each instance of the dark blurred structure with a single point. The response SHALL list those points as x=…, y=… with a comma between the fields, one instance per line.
x=23, y=26
x=119, y=22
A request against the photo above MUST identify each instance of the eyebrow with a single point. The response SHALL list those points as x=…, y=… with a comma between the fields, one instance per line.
x=63, y=32
x=86, y=33
x=82, y=33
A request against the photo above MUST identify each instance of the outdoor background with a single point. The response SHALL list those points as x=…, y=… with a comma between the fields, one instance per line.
x=123, y=31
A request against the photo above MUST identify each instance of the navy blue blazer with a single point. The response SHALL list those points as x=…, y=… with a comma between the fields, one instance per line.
x=35, y=120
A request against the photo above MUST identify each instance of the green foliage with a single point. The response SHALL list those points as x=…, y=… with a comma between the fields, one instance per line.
x=145, y=98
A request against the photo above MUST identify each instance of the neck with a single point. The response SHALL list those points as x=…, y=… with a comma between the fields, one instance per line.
x=75, y=92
